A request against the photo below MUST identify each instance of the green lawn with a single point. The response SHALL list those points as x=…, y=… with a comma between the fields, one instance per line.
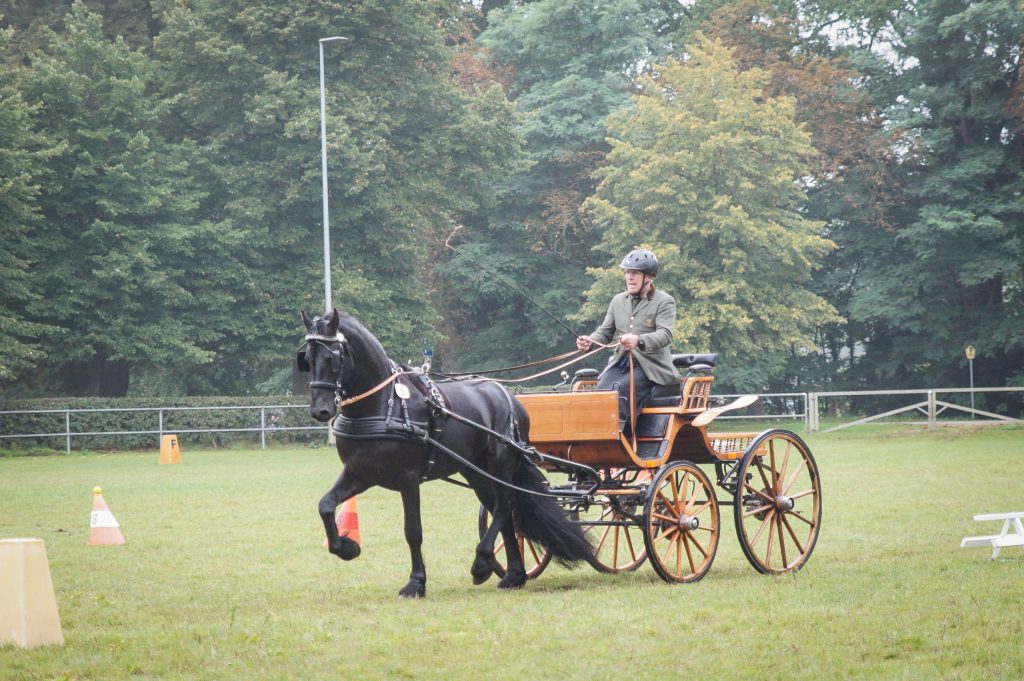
x=223, y=576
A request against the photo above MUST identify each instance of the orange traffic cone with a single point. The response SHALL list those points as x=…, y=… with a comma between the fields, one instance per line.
x=348, y=522
x=103, y=527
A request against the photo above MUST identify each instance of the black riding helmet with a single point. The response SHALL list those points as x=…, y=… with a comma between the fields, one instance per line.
x=642, y=260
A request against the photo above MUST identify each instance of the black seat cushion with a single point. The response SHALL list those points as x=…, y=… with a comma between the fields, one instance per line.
x=687, y=361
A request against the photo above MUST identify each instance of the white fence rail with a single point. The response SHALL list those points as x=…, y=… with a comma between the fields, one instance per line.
x=931, y=407
x=263, y=428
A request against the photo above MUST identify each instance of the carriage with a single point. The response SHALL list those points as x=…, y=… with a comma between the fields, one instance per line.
x=618, y=501
x=644, y=496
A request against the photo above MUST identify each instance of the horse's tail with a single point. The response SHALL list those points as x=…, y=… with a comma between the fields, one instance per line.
x=541, y=519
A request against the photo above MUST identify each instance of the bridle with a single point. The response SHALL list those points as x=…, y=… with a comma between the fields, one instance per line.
x=335, y=345
x=338, y=346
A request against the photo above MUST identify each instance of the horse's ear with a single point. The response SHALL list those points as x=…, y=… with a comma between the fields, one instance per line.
x=335, y=319
x=306, y=320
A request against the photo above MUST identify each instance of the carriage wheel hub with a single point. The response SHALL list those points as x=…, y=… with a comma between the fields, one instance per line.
x=690, y=523
x=784, y=503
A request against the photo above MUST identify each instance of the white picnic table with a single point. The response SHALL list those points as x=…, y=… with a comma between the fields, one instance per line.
x=1012, y=533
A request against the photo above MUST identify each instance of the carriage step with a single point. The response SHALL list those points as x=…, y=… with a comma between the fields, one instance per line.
x=649, y=450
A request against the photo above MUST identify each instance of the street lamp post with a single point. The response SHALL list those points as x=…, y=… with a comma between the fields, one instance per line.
x=323, y=177
x=969, y=351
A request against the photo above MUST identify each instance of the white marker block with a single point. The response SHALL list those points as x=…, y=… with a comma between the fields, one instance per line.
x=28, y=608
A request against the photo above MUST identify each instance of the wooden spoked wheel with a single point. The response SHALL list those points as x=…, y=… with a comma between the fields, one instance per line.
x=681, y=523
x=535, y=556
x=617, y=547
x=778, y=502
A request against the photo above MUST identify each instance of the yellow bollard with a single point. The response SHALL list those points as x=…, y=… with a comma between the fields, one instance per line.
x=28, y=608
x=169, y=452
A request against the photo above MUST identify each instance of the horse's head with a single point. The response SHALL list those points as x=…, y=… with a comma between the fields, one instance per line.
x=323, y=354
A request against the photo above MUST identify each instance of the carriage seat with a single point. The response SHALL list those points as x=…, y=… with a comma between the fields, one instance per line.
x=705, y=362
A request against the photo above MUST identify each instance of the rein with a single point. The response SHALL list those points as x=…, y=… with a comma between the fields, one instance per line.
x=520, y=379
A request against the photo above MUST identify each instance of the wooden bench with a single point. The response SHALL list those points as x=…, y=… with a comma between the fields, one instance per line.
x=1004, y=538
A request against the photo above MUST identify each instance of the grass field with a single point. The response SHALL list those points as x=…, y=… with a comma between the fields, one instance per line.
x=224, y=577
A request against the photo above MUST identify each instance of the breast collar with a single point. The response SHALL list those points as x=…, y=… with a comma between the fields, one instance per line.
x=395, y=423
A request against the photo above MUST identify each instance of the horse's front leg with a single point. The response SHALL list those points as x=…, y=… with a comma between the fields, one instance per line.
x=346, y=487
x=417, y=586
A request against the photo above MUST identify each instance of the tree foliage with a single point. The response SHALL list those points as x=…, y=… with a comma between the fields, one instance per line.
x=950, y=273
x=23, y=156
x=182, y=216
x=115, y=206
x=840, y=175
x=705, y=171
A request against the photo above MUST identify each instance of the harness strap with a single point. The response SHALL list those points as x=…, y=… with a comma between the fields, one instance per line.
x=437, y=402
x=380, y=386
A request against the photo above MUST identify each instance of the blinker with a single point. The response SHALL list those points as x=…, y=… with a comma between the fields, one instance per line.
x=303, y=364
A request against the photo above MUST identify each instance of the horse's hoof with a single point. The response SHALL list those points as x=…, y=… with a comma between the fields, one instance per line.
x=346, y=549
x=413, y=590
x=481, y=571
x=510, y=581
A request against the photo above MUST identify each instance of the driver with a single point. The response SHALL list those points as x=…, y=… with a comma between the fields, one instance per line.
x=643, y=319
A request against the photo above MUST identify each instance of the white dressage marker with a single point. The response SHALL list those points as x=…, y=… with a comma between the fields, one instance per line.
x=1004, y=538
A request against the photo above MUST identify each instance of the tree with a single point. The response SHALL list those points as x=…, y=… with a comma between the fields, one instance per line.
x=951, y=270
x=705, y=171
x=853, y=173
x=409, y=153
x=23, y=155
x=113, y=216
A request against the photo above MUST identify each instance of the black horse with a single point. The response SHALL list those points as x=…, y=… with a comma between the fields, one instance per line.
x=380, y=443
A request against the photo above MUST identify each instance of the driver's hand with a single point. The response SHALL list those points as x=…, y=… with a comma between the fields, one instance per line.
x=629, y=341
x=582, y=343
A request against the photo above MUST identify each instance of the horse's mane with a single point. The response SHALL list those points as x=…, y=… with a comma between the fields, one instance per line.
x=353, y=328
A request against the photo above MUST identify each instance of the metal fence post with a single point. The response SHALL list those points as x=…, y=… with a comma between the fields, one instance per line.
x=67, y=426
x=263, y=428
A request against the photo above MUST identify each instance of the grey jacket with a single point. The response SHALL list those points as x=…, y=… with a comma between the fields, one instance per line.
x=654, y=320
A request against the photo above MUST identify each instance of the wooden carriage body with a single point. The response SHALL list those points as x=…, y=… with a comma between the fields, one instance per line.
x=583, y=426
